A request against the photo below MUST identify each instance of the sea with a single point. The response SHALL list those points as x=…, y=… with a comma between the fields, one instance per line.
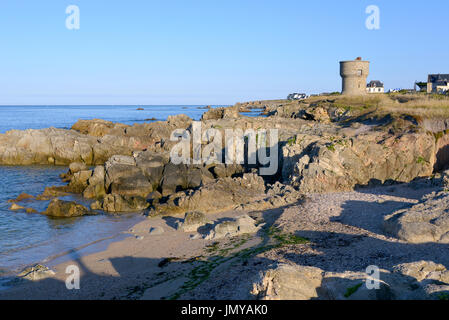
x=27, y=239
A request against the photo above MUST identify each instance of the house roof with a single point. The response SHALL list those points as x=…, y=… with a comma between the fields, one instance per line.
x=441, y=83
x=435, y=78
x=375, y=84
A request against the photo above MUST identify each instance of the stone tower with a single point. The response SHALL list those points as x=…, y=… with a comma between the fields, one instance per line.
x=354, y=74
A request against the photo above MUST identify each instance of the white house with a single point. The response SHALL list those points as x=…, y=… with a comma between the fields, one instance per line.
x=296, y=96
x=438, y=83
x=375, y=86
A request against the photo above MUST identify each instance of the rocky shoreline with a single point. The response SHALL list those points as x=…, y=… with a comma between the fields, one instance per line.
x=230, y=213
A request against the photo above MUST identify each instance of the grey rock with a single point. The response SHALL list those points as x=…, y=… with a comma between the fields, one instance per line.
x=286, y=282
x=119, y=203
x=192, y=221
x=427, y=221
x=243, y=224
x=36, y=273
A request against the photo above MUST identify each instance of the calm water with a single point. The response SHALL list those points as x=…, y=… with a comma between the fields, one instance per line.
x=38, y=117
x=29, y=238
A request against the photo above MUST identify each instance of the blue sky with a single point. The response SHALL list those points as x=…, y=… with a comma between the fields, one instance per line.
x=209, y=52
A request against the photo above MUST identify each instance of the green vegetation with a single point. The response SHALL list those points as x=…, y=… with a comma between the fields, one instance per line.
x=285, y=239
x=331, y=147
x=350, y=291
x=220, y=255
x=415, y=105
x=421, y=160
x=291, y=141
x=443, y=296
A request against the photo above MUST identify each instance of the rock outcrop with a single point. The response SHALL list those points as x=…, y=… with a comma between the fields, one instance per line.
x=241, y=225
x=36, y=273
x=427, y=221
x=66, y=209
x=90, y=142
x=422, y=280
x=192, y=221
x=287, y=282
x=317, y=165
x=221, y=113
x=218, y=196
x=119, y=203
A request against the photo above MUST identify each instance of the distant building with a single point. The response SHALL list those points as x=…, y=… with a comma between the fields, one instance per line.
x=421, y=85
x=296, y=96
x=354, y=74
x=438, y=83
x=375, y=86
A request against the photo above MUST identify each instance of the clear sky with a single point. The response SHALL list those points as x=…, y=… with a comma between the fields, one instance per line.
x=210, y=52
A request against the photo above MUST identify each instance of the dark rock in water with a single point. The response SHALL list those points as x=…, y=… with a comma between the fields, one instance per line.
x=66, y=209
x=30, y=210
x=16, y=207
x=52, y=192
x=22, y=197
x=140, y=109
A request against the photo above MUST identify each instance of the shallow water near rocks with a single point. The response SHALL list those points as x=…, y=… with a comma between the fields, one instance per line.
x=25, y=238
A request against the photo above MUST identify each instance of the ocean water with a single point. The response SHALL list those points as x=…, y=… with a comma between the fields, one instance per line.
x=38, y=117
x=26, y=239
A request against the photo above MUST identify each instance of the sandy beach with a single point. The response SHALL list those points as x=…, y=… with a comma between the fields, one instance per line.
x=343, y=229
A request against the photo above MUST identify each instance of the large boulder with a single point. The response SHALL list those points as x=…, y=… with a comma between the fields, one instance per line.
x=36, y=273
x=75, y=167
x=181, y=177
x=287, y=282
x=217, y=196
x=95, y=127
x=178, y=119
x=422, y=280
x=152, y=166
x=221, y=113
x=96, y=184
x=192, y=221
x=65, y=209
x=427, y=221
x=119, y=203
x=241, y=225
x=79, y=181
x=123, y=177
